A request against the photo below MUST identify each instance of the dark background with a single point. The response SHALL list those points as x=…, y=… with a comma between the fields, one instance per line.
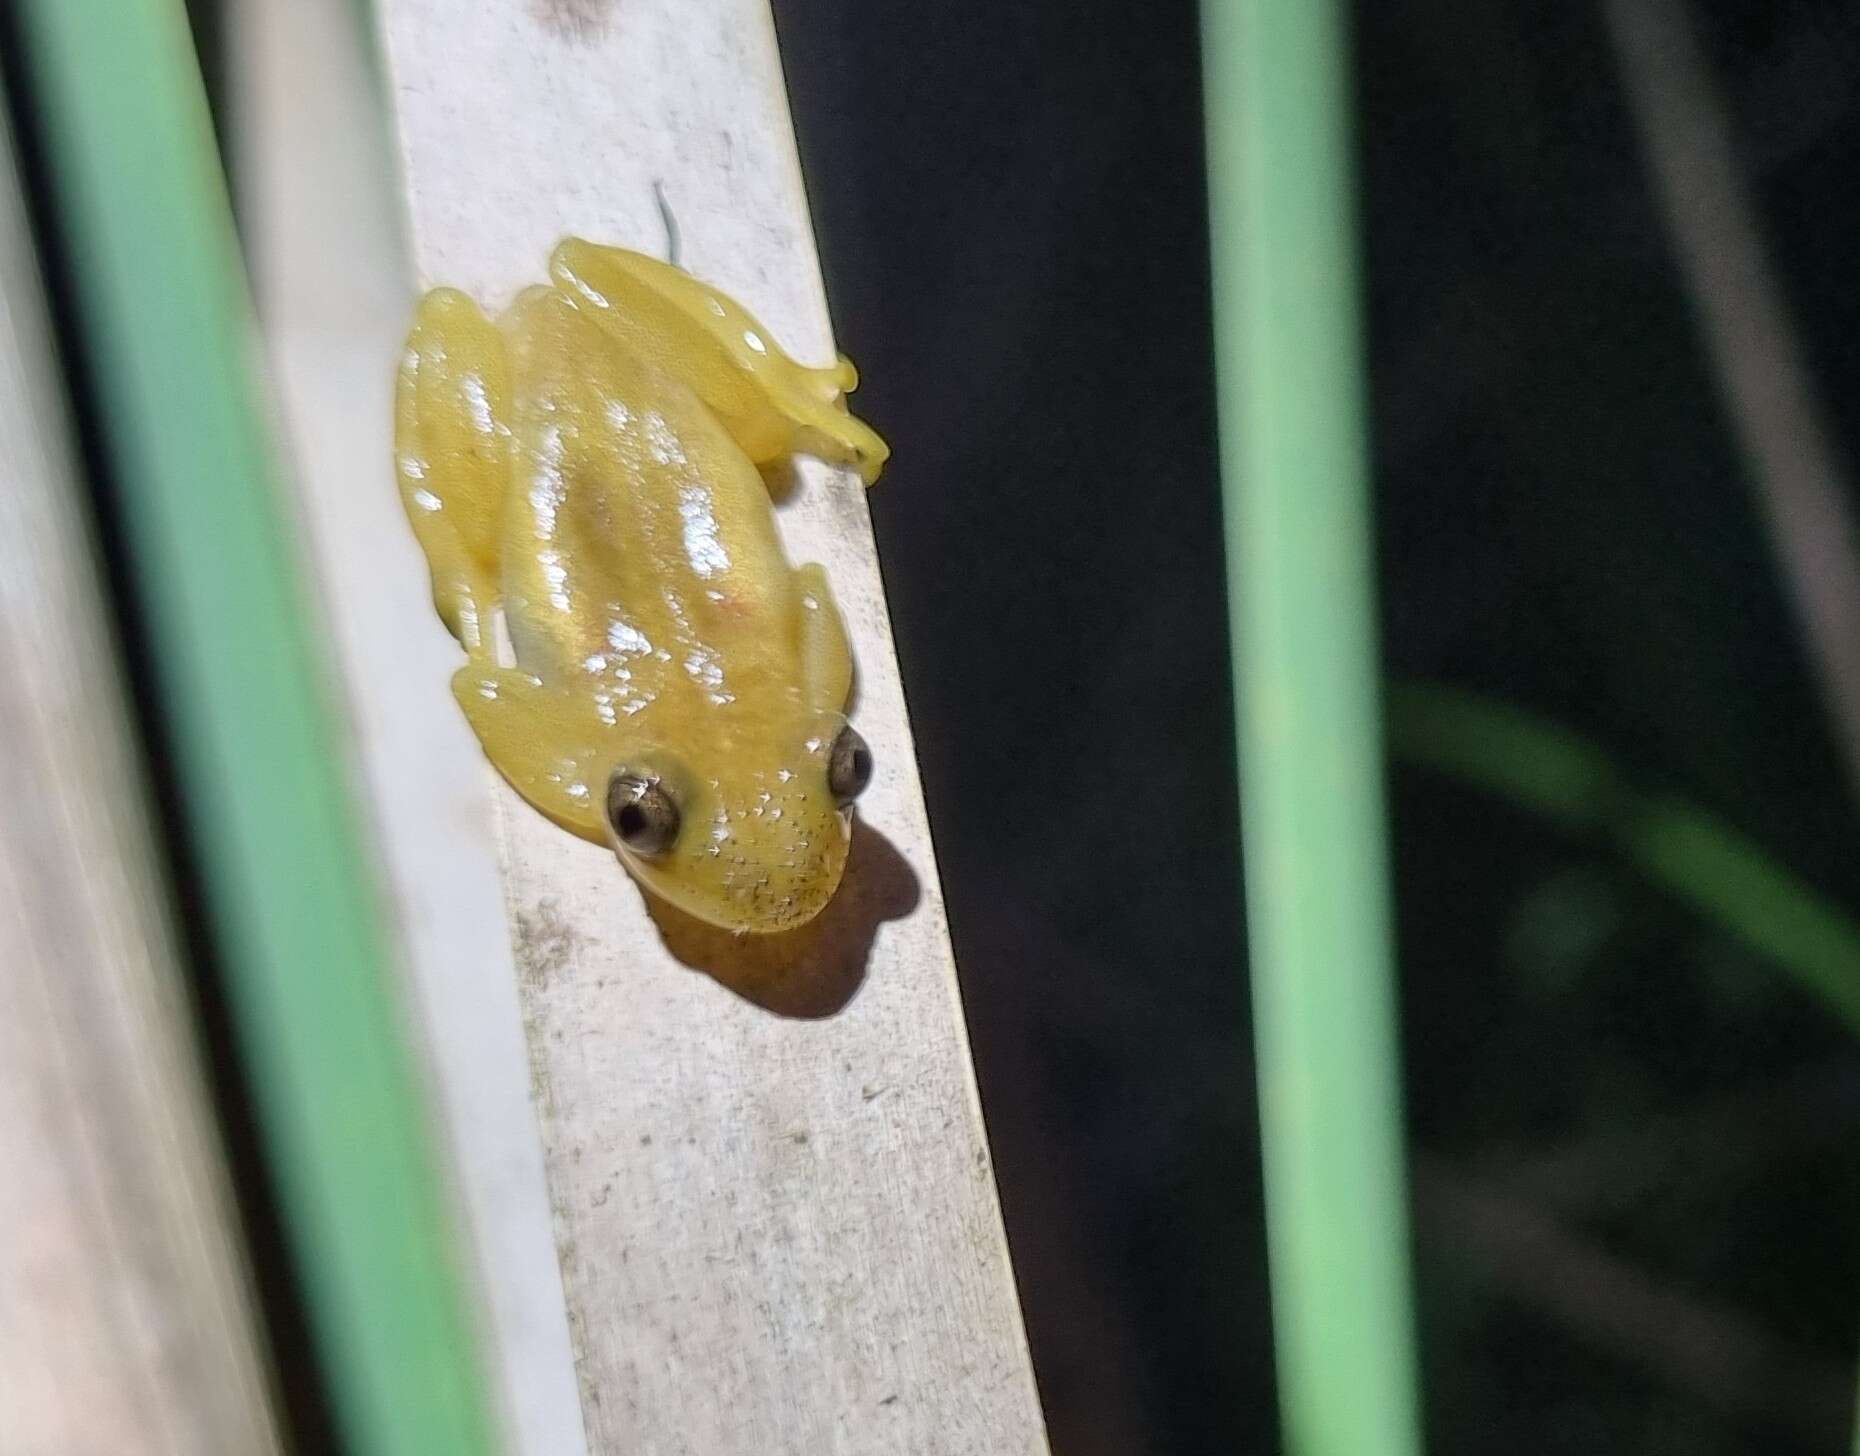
x=1634, y=1138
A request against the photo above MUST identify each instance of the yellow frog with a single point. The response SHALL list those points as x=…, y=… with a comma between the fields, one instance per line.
x=587, y=467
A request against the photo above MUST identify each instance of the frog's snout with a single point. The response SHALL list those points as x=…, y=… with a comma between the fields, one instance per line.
x=761, y=857
x=768, y=897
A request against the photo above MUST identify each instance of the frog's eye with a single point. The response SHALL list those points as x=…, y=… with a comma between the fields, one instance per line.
x=849, y=766
x=642, y=812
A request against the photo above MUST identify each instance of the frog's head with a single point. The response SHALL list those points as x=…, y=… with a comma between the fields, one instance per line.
x=758, y=848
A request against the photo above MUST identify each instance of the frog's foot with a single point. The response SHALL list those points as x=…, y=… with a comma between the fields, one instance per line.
x=823, y=425
x=549, y=746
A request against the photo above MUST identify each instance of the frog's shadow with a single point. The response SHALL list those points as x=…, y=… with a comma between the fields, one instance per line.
x=814, y=970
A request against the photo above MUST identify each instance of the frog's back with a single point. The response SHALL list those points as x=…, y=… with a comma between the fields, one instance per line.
x=639, y=541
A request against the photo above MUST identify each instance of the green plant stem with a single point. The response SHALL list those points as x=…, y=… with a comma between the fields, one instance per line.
x=156, y=277
x=1301, y=594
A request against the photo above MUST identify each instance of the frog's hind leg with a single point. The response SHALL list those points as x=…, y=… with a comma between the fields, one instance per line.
x=452, y=452
x=548, y=746
x=772, y=406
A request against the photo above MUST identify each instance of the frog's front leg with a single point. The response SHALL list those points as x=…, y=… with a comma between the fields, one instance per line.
x=772, y=406
x=452, y=449
x=548, y=745
x=826, y=656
